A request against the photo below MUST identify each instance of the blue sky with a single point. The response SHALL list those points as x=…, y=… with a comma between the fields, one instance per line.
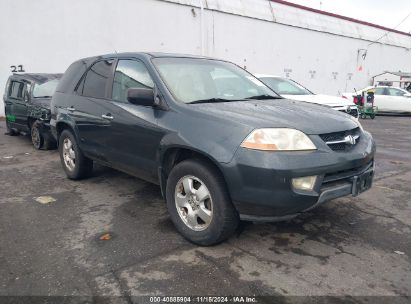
x=383, y=12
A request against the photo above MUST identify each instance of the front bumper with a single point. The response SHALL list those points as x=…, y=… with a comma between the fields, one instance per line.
x=259, y=182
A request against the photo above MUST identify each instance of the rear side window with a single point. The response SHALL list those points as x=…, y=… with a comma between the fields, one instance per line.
x=130, y=74
x=16, y=90
x=97, y=79
x=379, y=91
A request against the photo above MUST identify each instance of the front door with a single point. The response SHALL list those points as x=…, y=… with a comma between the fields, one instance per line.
x=134, y=135
x=16, y=105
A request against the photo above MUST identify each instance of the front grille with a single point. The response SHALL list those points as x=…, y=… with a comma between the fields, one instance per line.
x=342, y=141
x=344, y=174
x=353, y=112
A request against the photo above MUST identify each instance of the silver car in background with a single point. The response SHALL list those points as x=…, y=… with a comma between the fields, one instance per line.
x=290, y=89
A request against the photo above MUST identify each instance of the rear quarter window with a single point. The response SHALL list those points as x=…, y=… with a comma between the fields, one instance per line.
x=379, y=91
x=68, y=83
x=97, y=79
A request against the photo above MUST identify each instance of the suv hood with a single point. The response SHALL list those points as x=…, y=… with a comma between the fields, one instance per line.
x=327, y=100
x=280, y=113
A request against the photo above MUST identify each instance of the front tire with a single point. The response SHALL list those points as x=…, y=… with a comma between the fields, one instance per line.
x=74, y=163
x=199, y=204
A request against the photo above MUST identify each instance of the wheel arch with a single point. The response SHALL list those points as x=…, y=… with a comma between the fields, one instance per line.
x=64, y=125
x=30, y=121
x=176, y=154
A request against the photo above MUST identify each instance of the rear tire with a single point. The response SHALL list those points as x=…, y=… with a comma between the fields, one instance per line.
x=74, y=163
x=36, y=137
x=199, y=204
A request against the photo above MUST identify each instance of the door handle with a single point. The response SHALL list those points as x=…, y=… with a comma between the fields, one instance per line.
x=107, y=116
x=71, y=109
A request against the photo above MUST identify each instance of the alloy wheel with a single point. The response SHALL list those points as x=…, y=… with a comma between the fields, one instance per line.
x=35, y=138
x=193, y=203
x=69, y=155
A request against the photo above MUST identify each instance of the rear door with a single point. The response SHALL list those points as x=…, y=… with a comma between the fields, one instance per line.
x=381, y=99
x=88, y=106
x=134, y=136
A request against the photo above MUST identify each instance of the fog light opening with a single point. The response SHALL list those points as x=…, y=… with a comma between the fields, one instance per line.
x=305, y=183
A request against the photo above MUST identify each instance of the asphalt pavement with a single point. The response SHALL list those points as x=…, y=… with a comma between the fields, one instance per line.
x=111, y=236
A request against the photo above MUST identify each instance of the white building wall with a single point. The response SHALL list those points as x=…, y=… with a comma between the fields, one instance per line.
x=263, y=36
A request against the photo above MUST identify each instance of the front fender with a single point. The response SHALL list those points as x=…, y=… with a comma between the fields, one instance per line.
x=174, y=141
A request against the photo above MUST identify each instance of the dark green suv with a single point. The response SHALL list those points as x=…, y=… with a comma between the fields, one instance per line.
x=27, y=106
x=220, y=143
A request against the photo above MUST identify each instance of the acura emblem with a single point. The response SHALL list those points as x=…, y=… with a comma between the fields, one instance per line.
x=349, y=139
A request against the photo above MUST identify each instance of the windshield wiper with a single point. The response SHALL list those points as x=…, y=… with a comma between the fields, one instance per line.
x=264, y=96
x=210, y=100
x=45, y=96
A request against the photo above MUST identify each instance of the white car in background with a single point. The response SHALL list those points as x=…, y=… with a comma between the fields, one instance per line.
x=290, y=89
x=387, y=99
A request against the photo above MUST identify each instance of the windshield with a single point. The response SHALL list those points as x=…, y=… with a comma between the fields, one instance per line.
x=201, y=80
x=285, y=86
x=45, y=89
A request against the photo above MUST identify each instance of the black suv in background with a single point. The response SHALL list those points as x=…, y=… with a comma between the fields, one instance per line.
x=27, y=106
x=220, y=143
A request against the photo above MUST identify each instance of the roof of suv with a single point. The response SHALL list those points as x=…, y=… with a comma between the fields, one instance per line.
x=77, y=69
x=150, y=54
x=37, y=77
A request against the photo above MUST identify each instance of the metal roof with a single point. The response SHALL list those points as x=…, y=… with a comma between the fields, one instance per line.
x=341, y=17
x=37, y=77
x=290, y=14
x=399, y=73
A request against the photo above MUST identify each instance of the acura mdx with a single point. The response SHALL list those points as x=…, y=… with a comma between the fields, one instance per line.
x=222, y=146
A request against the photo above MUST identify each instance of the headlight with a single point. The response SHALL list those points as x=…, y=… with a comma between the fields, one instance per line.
x=278, y=139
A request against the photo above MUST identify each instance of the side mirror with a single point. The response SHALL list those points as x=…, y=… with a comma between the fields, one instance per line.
x=407, y=95
x=141, y=96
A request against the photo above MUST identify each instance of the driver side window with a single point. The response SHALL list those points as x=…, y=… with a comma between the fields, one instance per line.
x=130, y=74
x=16, y=90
